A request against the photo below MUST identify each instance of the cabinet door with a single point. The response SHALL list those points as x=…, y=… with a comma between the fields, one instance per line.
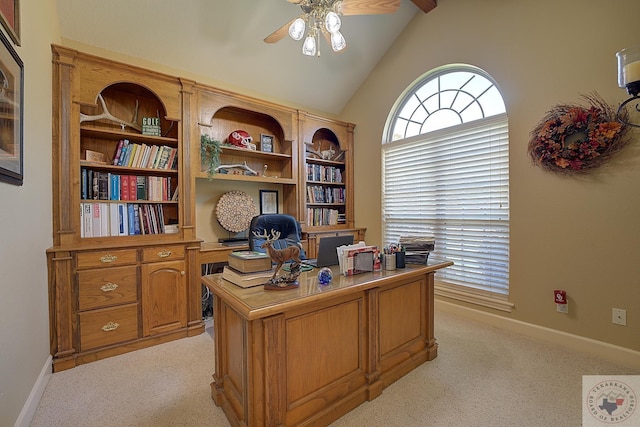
x=164, y=297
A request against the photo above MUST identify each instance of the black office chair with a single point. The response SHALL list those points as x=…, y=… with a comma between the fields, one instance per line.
x=287, y=225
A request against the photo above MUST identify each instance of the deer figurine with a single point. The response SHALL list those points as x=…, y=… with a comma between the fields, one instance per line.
x=278, y=256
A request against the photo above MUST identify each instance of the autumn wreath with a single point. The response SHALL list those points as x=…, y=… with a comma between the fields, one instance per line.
x=573, y=139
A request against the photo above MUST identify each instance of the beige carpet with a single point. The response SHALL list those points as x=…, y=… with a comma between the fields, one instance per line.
x=483, y=376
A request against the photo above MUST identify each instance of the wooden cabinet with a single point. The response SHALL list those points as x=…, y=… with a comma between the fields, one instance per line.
x=326, y=192
x=164, y=295
x=118, y=278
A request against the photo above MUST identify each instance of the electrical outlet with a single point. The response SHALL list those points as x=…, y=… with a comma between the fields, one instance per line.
x=619, y=316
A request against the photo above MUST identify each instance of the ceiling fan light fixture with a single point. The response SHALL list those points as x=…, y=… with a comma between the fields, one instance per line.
x=296, y=29
x=309, y=46
x=338, y=41
x=332, y=22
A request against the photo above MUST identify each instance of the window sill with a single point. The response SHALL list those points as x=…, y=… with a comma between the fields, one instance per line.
x=485, y=299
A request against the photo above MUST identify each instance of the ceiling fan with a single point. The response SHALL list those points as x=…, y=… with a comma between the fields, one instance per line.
x=323, y=17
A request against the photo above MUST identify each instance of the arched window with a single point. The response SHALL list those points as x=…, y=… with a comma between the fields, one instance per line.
x=446, y=175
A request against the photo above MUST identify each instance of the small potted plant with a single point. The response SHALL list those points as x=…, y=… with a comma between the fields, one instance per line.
x=210, y=150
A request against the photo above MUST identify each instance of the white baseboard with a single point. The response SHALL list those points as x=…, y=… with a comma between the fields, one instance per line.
x=30, y=406
x=613, y=353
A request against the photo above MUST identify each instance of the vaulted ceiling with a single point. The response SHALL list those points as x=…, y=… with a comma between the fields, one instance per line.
x=220, y=42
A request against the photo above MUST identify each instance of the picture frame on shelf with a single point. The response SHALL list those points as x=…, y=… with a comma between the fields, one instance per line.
x=266, y=143
x=268, y=202
x=12, y=113
x=10, y=18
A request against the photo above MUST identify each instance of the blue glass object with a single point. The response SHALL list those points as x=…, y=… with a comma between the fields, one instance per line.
x=325, y=276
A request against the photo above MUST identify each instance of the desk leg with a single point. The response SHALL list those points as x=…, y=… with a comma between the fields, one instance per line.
x=432, y=345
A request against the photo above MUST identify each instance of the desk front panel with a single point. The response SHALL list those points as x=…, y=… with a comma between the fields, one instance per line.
x=307, y=356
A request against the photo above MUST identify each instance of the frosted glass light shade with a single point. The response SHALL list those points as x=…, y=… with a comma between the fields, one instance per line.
x=337, y=41
x=332, y=22
x=309, y=45
x=296, y=29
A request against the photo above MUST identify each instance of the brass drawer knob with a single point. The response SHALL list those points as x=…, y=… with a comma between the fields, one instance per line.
x=108, y=258
x=164, y=253
x=108, y=287
x=111, y=326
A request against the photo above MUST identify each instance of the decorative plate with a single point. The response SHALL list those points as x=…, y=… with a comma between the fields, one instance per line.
x=235, y=210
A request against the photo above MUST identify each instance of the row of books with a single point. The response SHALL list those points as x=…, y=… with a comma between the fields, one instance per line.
x=145, y=156
x=323, y=173
x=320, y=194
x=103, y=219
x=100, y=185
x=324, y=216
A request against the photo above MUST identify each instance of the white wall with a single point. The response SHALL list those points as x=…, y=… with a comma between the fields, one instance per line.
x=577, y=234
x=25, y=222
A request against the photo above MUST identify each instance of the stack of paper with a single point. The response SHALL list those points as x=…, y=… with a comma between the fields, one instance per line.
x=417, y=248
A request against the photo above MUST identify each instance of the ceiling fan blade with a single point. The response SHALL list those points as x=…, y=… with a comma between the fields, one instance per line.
x=367, y=7
x=280, y=33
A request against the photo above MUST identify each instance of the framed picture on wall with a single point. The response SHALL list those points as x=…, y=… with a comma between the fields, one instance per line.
x=11, y=113
x=10, y=18
x=268, y=202
x=266, y=143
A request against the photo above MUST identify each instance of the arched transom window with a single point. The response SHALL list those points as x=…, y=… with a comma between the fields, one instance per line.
x=446, y=175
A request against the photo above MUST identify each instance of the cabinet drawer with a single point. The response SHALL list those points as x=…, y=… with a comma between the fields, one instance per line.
x=107, y=287
x=106, y=258
x=108, y=326
x=163, y=253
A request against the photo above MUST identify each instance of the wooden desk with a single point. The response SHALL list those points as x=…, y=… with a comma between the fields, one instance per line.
x=312, y=354
x=214, y=252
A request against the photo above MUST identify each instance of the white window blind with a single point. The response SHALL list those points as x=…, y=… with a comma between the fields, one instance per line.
x=453, y=184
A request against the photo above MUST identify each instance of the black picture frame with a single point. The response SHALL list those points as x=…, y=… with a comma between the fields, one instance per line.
x=266, y=143
x=268, y=202
x=11, y=114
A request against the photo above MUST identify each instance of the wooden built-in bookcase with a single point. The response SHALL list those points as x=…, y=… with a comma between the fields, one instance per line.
x=113, y=287
x=220, y=113
x=326, y=195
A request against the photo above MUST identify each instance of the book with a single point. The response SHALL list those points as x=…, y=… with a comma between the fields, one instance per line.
x=103, y=186
x=87, y=219
x=249, y=261
x=141, y=188
x=118, y=153
x=245, y=280
x=123, y=223
x=84, y=189
x=97, y=221
x=151, y=126
x=114, y=223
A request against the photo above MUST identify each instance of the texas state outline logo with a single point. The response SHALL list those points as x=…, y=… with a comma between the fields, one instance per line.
x=610, y=400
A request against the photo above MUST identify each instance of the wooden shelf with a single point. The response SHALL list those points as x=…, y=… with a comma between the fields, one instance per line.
x=247, y=178
x=137, y=137
x=226, y=149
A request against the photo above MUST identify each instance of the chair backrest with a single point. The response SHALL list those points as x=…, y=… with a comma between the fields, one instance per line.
x=287, y=225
